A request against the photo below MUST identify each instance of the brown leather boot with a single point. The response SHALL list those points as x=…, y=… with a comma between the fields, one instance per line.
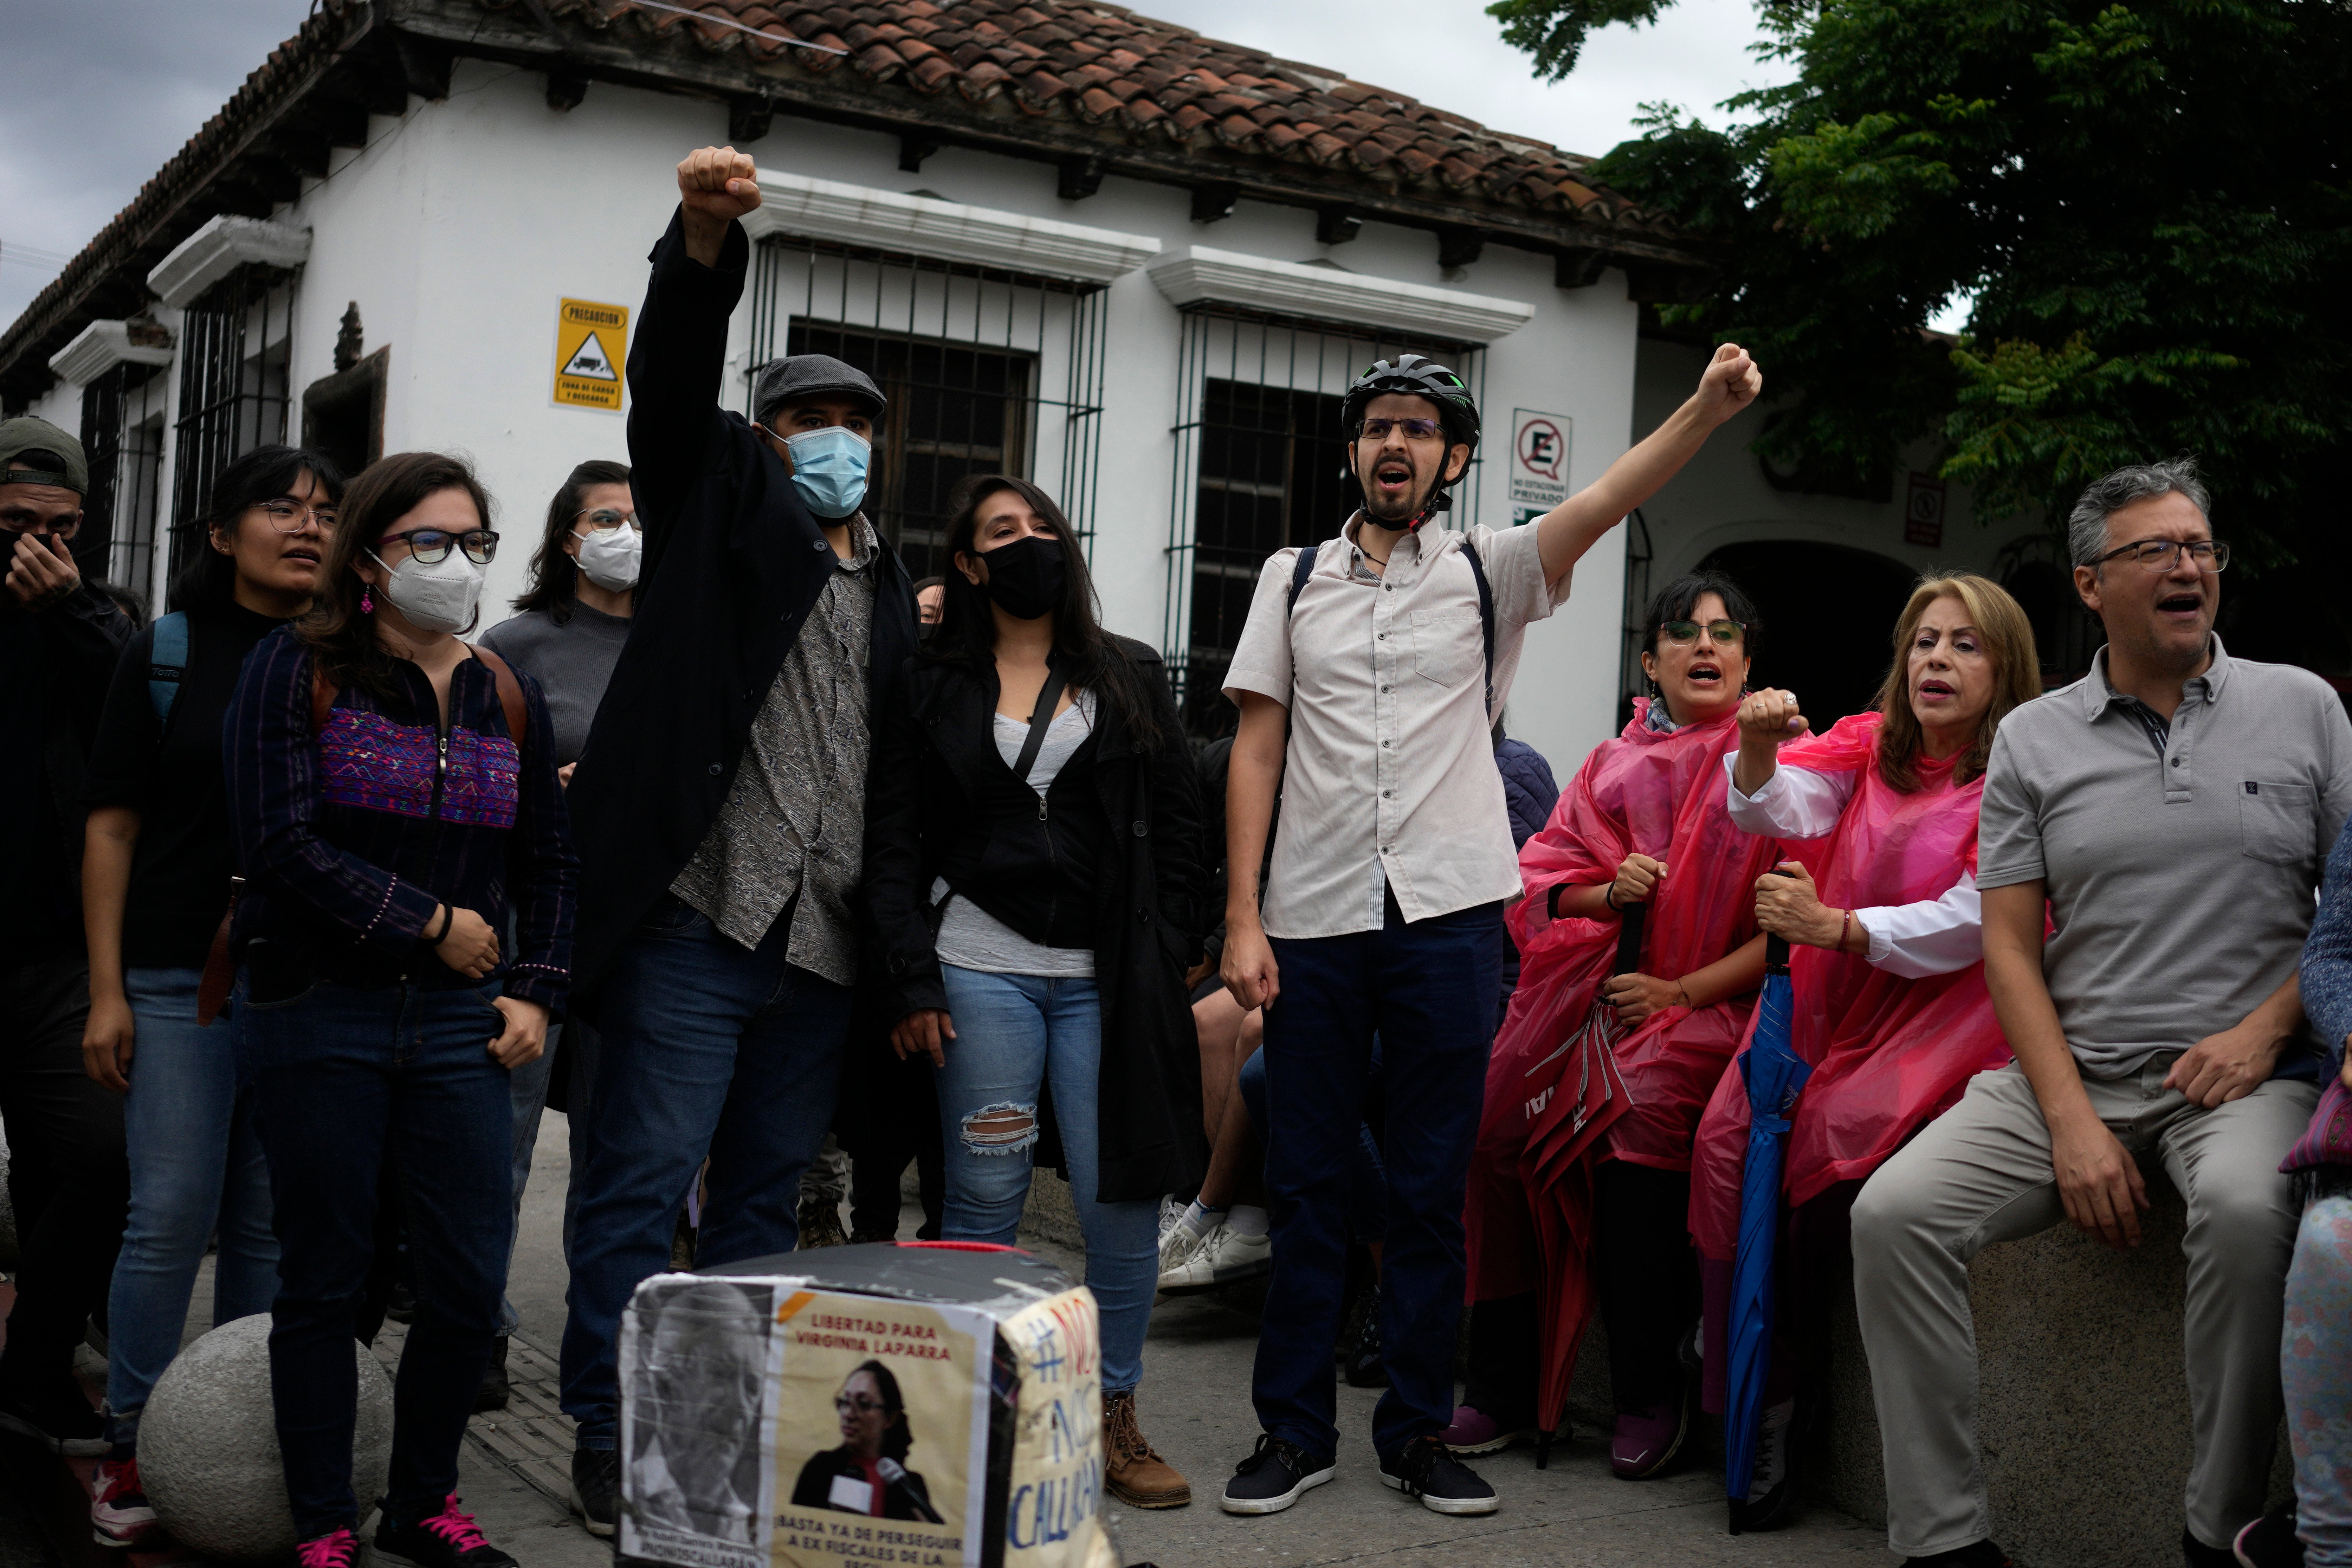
x=1136, y=1475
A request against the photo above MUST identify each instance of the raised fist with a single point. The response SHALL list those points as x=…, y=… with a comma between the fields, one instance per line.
x=718, y=184
x=1770, y=716
x=1730, y=383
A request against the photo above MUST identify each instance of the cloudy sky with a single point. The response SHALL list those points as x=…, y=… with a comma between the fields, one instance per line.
x=100, y=92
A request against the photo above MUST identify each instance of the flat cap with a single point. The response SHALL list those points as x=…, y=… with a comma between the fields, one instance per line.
x=28, y=435
x=812, y=378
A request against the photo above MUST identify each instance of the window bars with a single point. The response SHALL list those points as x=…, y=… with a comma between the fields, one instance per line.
x=1261, y=465
x=234, y=345
x=964, y=354
x=123, y=436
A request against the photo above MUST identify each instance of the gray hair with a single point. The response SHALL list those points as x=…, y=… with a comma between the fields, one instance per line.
x=2086, y=525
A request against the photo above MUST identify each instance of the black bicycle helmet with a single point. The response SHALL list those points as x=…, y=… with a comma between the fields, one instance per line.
x=1417, y=376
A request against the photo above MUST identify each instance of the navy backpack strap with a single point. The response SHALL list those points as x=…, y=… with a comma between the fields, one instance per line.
x=167, y=663
x=1298, y=575
x=1486, y=618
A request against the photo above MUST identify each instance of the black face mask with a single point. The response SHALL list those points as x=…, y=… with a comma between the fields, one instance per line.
x=1026, y=578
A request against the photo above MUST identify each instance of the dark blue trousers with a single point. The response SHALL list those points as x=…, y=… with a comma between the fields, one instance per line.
x=1427, y=991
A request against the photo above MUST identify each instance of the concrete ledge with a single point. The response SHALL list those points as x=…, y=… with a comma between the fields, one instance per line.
x=2082, y=1406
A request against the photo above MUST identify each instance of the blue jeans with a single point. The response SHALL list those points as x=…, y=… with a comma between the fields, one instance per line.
x=1015, y=1034
x=708, y=1049
x=337, y=1076
x=1427, y=991
x=195, y=1162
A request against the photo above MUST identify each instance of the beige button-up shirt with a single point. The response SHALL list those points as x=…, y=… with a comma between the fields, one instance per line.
x=1390, y=780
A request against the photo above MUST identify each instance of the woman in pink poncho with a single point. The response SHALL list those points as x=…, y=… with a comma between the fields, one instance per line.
x=1880, y=906
x=1642, y=823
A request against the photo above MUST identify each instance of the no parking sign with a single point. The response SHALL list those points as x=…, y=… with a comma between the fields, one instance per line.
x=1538, y=463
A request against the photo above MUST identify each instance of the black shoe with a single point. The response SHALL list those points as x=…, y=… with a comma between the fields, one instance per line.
x=1276, y=1474
x=495, y=1388
x=1773, y=1488
x=1427, y=1469
x=400, y=1306
x=1976, y=1554
x=444, y=1540
x=2197, y=1554
x=58, y=1417
x=596, y=1477
x=1366, y=1369
x=2269, y=1542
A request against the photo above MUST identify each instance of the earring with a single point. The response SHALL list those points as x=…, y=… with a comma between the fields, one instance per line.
x=367, y=602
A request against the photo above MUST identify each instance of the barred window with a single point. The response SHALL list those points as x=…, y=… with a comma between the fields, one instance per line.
x=986, y=372
x=235, y=346
x=122, y=437
x=1262, y=464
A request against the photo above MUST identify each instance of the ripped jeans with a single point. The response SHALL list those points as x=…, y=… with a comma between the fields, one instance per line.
x=1014, y=1032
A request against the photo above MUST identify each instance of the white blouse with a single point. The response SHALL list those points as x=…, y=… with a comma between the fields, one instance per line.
x=1935, y=936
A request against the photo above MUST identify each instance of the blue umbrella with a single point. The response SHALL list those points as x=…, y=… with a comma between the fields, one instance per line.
x=1774, y=1077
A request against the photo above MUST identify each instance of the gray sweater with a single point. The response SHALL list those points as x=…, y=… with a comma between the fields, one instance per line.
x=572, y=663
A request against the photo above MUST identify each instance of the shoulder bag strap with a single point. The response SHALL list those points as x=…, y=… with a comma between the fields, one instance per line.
x=167, y=663
x=509, y=694
x=1486, y=618
x=1040, y=721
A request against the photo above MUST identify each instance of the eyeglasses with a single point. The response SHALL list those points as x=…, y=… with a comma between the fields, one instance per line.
x=287, y=515
x=861, y=1405
x=1414, y=429
x=1687, y=632
x=604, y=518
x=2159, y=554
x=430, y=546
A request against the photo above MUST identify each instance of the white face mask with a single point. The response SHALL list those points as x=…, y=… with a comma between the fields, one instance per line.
x=442, y=598
x=609, y=557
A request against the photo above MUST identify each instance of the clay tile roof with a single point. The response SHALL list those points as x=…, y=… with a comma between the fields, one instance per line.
x=1125, y=77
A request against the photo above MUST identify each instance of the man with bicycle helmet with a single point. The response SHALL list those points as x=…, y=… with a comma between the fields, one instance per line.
x=1367, y=677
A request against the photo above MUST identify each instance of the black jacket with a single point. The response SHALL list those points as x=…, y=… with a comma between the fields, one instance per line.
x=58, y=664
x=908, y=1498
x=733, y=563
x=934, y=800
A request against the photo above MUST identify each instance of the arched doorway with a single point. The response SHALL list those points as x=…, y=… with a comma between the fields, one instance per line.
x=1828, y=614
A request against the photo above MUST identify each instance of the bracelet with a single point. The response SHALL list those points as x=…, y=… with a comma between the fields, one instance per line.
x=448, y=918
x=1609, y=897
x=1845, y=934
x=1682, y=988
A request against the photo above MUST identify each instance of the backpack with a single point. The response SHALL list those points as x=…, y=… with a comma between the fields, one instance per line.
x=1305, y=569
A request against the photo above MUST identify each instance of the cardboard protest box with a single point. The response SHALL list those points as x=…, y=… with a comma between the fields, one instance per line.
x=925, y=1405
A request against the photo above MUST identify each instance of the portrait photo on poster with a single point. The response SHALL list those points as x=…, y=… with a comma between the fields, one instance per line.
x=696, y=1366
x=881, y=1434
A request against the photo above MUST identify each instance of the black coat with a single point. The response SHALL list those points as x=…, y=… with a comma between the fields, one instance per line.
x=733, y=563
x=933, y=746
x=61, y=660
x=900, y=1498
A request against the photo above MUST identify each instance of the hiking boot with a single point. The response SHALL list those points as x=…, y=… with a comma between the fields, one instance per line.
x=865, y=1237
x=496, y=1389
x=596, y=1477
x=1976, y=1554
x=444, y=1540
x=1445, y=1484
x=1133, y=1471
x=1771, y=1489
x=2269, y=1542
x=1643, y=1442
x=819, y=1224
x=336, y=1549
x=59, y=1417
x=1223, y=1258
x=1476, y=1432
x=119, y=1514
x=1276, y=1474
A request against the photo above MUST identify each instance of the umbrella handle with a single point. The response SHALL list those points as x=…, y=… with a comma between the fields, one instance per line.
x=1629, y=938
x=1776, y=948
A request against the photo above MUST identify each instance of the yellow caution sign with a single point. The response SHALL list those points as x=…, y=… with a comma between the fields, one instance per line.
x=591, y=344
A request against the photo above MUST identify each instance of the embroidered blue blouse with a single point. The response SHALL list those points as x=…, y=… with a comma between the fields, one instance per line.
x=349, y=839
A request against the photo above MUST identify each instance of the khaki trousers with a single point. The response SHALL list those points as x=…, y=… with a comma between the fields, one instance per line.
x=1980, y=1174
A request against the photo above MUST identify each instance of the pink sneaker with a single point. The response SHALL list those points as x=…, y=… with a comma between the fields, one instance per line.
x=1476, y=1432
x=120, y=1515
x=1644, y=1443
x=338, y=1549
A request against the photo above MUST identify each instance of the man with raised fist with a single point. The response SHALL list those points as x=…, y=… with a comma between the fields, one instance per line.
x=719, y=804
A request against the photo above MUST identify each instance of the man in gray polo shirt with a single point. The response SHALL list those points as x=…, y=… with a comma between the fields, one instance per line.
x=2174, y=807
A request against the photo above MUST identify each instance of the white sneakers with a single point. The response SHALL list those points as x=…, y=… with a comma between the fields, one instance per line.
x=1223, y=1256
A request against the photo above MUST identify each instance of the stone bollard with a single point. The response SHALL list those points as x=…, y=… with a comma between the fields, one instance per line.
x=208, y=1445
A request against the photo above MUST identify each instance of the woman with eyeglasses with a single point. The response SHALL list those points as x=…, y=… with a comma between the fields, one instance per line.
x=156, y=871
x=867, y=1473
x=1642, y=825
x=394, y=793
x=1033, y=874
x=1878, y=900
x=567, y=632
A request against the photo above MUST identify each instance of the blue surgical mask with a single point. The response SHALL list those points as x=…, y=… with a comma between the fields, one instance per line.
x=829, y=469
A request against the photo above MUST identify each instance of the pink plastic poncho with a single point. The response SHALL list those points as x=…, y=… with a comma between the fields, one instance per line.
x=1662, y=795
x=1888, y=1054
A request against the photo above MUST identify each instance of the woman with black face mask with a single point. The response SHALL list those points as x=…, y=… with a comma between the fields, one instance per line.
x=1032, y=868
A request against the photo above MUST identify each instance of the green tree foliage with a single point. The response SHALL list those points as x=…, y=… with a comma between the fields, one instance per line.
x=2148, y=203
